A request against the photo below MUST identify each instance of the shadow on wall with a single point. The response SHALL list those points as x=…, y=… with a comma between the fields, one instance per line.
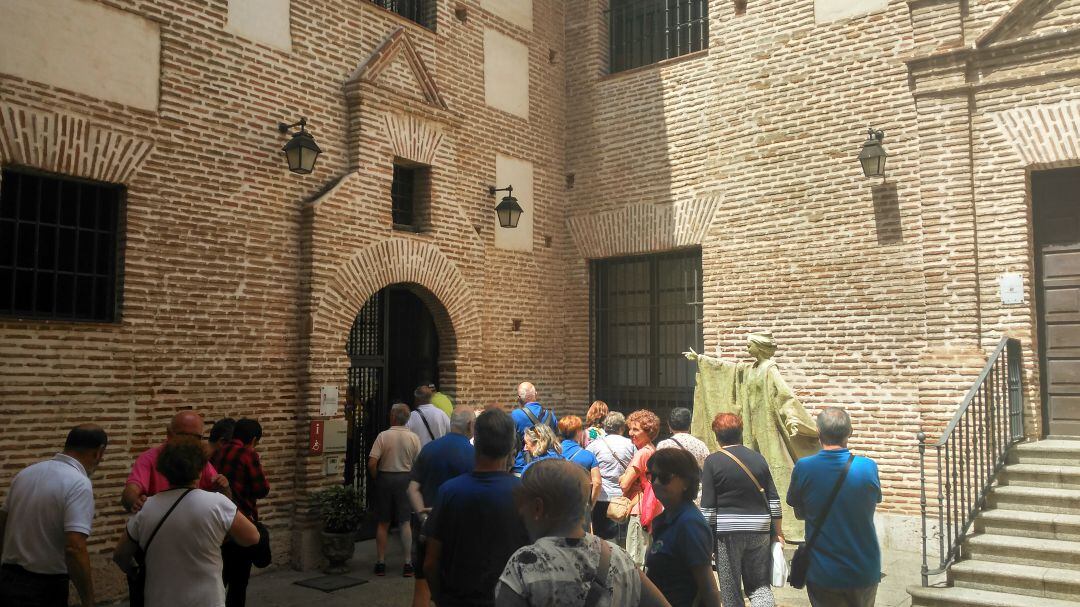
x=887, y=214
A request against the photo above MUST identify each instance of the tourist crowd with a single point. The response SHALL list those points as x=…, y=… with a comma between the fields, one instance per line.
x=508, y=509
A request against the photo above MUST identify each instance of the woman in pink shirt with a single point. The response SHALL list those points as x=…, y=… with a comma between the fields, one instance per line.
x=644, y=427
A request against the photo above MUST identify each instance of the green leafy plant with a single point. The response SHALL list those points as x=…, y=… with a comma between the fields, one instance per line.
x=339, y=507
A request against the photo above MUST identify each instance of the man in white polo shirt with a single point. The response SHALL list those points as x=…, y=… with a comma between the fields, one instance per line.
x=45, y=523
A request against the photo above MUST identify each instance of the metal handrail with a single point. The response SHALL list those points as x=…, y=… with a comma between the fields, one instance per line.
x=971, y=452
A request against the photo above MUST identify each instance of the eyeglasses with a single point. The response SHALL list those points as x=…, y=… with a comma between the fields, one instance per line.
x=659, y=478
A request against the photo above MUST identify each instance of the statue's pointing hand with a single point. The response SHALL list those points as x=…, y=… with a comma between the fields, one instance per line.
x=691, y=355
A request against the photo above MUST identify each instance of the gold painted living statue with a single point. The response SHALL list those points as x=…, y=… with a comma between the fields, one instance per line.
x=775, y=424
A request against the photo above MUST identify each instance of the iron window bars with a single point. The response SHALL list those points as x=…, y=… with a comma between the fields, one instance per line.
x=59, y=247
x=403, y=196
x=413, y=10
x=646, y=31
x=646, y=311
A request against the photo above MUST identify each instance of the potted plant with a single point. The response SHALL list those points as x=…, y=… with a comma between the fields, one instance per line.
x=339, y=508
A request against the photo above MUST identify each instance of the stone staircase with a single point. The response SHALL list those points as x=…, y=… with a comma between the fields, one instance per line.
x=1025, y=548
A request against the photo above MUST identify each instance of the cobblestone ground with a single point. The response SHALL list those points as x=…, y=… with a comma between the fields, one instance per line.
x=277, y=588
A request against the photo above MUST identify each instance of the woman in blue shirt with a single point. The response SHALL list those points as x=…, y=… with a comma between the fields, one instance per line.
x=680, y=558
x=573, y=434
x=540, y=444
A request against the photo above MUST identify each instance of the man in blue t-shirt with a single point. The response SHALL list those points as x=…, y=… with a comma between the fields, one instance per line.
x=526, y=416
x=845, y=563
x=474, y=525
x=439, y=461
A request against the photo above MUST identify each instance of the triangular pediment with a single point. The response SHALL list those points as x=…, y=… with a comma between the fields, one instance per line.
x=396, y=65
x=1028, y=19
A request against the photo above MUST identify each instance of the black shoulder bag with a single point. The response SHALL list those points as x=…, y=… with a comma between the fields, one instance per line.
x=800, y=562
x=137, y=577
x=426, y=426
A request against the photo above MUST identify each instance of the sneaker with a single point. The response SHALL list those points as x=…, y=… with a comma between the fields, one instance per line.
x=380, y=568
x=407, y=570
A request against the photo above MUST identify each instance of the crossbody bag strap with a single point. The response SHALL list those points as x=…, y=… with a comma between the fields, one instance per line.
x=598, y=587
x=576, y=453
x=761, y=490
x=828, y=504
x=424, y=419
x=162, y=521
x=625, y=465
x=681, y=446
x=535, y=420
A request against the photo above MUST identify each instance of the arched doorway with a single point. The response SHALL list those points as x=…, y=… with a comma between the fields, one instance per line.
x=393, y=347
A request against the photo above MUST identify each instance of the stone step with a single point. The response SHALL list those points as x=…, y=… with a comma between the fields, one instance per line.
x=1035, y=499
x=1059, y=452
x=1042, y=582
x=1042, y=475
x=1023, y=551
x=1025, y=523
x=971, y=597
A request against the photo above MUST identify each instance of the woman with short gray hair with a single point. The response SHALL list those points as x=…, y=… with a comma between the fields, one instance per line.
x=613, y=453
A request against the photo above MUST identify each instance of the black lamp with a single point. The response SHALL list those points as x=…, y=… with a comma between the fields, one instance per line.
x=301, y=151
x=509, y=211
x=872, y=157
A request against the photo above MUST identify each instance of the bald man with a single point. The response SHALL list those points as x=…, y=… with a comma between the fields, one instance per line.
x=145, y=481
x=530, y=413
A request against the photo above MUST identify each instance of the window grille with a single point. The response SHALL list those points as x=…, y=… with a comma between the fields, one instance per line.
x=646, y=311
x=403, y=196
x=413, y=10
x=646, y=31
x=58, y=247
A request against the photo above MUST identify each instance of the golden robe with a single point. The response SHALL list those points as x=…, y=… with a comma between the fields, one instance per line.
x=775, y=424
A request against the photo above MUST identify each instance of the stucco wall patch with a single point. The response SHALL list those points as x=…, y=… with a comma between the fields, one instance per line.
x=506, y=73
x=265, y=21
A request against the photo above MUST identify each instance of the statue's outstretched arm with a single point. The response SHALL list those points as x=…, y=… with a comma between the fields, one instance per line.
x=703, y=358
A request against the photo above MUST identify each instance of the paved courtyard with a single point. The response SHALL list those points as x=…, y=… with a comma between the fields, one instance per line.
x=278, y=589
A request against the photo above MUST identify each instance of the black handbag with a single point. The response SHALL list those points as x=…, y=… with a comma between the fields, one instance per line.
x=137, y=576
x=260, y=553
x=800, y=561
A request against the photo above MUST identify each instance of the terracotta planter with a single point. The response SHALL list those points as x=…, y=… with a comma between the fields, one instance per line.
x=338, y=549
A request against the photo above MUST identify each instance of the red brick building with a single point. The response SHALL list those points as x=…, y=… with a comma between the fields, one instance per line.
x=688, y=174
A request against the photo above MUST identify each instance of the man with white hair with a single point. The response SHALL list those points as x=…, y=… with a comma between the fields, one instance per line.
x=439, y=461
x=836, y=493
x=390, y=462
x=529, y=413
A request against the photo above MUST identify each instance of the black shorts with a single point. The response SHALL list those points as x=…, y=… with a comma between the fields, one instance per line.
x=392, y=498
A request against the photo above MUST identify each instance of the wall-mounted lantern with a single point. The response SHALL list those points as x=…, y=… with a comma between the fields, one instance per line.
x=301, y=151
x=509, y=211
x=872, y=157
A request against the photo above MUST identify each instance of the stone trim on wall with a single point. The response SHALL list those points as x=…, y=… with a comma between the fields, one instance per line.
x=643, y=228
x=1042, y=134
x=68, y=144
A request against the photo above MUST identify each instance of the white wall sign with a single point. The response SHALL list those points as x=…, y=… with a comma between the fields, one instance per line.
x=328, y=401
x=1011, y=285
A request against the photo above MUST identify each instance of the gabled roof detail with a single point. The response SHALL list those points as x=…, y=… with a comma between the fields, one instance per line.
x=1018, y=21
x=399, y=43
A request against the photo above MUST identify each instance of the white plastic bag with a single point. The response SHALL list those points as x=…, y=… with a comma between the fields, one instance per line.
x=779, y=566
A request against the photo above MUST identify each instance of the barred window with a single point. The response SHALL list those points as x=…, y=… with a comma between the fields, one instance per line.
x=646, y=31
x=646, y=311
x=410, y=195
x=420, y=11
x=58, y=247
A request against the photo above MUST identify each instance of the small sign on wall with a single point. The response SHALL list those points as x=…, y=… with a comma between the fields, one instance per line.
x=315, y=437
x=328, y=401
x=1011, y=285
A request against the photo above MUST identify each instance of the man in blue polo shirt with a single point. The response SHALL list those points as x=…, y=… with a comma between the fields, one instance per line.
x=529, y=414
x=845, y=563
x=475, y=525
x=439, y=461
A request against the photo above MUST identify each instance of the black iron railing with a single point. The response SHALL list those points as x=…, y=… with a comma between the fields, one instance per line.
x=970, y=453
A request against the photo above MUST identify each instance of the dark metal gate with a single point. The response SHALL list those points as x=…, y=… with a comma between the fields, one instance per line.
x=367, y=403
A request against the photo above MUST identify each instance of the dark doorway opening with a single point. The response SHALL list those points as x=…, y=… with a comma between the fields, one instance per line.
x=1056, y=209
x=393, y=347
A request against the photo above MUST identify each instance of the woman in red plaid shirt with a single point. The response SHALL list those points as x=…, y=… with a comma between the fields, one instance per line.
x=239, y=463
